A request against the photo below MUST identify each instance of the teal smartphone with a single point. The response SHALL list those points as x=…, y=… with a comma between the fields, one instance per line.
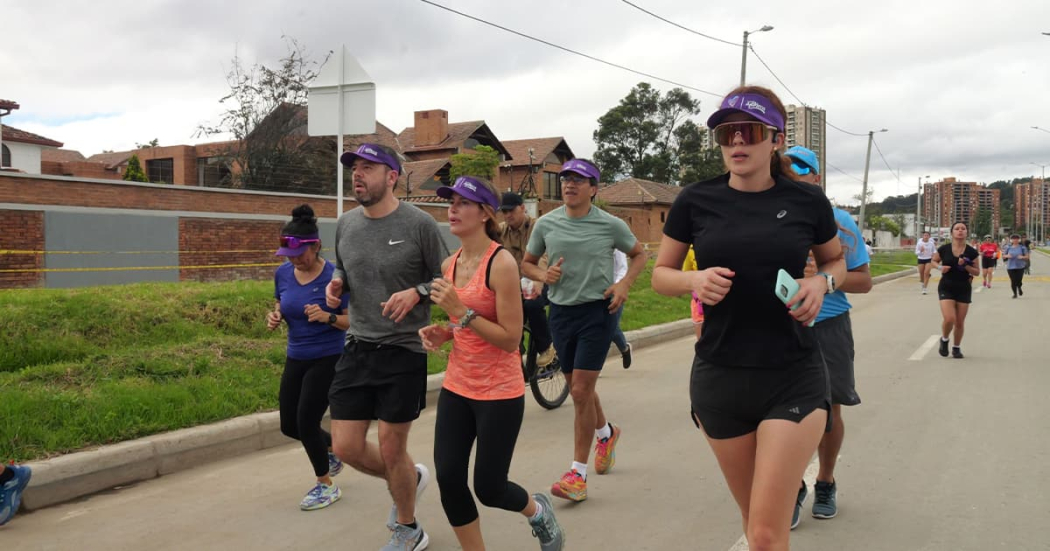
x=786, y=289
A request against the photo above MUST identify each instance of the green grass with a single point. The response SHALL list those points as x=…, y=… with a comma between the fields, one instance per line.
x=92, y=366
x=888, y=262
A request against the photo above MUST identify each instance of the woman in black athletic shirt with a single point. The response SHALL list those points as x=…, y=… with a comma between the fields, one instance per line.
x=758, y=376
x=957, y=263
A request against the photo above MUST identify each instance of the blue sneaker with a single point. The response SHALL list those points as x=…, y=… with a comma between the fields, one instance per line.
x=335, y=465
x=11, y=491
x=824, y=505
x=546, y=528
x=320, y=497
x=796, y=516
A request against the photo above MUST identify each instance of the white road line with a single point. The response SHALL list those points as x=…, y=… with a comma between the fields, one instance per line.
x=810, y=476
x=925, y=348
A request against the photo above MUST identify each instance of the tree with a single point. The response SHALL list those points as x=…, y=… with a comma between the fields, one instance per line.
x=134, y=171
x=265, y=114
x=653, y=137
x=148, y=145
x=882, y=223
x=982, y=223
x=481, y=163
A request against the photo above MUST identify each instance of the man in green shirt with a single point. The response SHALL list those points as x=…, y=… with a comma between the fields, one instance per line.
x=578, y=240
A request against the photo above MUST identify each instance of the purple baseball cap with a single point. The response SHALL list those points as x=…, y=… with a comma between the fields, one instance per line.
x=371, y=152
x=581, y=167
x=754, y=105
x=295, y=245
x=472, y=189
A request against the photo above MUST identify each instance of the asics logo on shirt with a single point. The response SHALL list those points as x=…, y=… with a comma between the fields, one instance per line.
x=392, y=242
x=782, y=214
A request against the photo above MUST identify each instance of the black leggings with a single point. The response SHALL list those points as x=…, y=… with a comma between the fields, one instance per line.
x=304, y=399
x=1016, y=275
x=495, y=425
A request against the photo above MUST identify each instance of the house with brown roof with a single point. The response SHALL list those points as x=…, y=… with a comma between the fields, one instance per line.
x=649, y=202
x=21, y=150
x=533, y=167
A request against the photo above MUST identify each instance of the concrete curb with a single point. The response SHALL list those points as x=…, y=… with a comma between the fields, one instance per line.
x=895, y=275
x=68, y=477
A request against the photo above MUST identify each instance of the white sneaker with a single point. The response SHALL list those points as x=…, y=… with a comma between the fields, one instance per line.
x=543, y=359
x=924, y=290
x=422, y=479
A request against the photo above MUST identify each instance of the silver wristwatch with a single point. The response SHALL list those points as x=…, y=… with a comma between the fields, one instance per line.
x=831, y=281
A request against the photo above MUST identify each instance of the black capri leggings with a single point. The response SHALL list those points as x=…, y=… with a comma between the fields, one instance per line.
x=495, y=425
x=304, y=399
x=1016, y=277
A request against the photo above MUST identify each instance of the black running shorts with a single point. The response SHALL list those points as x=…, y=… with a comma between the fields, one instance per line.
x=730, y=401
x=989, y=262
x=959, y=291
x=374, y=381
x=835, y=336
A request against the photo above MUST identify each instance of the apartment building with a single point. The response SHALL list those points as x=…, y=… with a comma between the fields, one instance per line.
x=950, y=201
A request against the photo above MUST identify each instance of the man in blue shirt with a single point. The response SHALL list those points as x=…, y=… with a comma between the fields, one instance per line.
x=834, y=332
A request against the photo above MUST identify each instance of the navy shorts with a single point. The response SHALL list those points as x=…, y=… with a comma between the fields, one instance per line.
x=925, y=260
x=582, y=334
x=378, y=381
x=835, y=336
x=731, y=401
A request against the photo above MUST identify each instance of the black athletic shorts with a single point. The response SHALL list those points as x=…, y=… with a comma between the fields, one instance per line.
x=582, y=334
x=989, y=262
x=835, y=336
x=959, y=291
x=378, y=381
x=731, y=401
x=925, y=260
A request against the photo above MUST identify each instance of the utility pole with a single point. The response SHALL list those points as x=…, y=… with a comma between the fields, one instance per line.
x=918, y=211
x=864, y=189
x=743, y=54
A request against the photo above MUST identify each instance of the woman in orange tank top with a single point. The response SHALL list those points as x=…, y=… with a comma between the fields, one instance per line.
x=483, y=395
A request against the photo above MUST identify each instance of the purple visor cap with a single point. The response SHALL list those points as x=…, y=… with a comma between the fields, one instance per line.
x=371, y=152
x=583, y=168
x=470, y=189
x=295, y=245
x=754, y=105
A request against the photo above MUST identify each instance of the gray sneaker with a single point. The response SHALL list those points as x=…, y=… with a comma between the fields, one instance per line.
x=547, y=529
x=406, y=538
x=824, y=505
x=422, y=479
x=796, y=516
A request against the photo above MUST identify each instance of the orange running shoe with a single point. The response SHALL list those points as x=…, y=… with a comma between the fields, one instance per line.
x=571, y=486
x=605, y=451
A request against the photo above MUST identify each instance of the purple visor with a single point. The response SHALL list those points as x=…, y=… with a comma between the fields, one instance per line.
x=371, y=152
x=295, y=245
x=581, y=167
x=755, y=105
x=470, y=189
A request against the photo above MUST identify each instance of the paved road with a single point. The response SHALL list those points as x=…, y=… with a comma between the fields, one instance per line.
x=943, y=454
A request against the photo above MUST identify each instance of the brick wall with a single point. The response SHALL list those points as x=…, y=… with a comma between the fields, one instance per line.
x=21, y=230
x=203, y=240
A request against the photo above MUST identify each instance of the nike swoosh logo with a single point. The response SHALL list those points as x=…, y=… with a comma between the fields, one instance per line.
x=392, y=242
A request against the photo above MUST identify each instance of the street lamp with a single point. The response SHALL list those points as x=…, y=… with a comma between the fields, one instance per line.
x=918, y=209
x=1042, y=203
x=864, y=189
x=1043, y=129
x=743, y=58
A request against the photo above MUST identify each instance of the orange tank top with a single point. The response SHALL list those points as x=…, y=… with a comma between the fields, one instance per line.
x=477, y=369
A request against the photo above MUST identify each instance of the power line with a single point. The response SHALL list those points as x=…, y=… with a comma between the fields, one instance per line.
x=843, y=172
x=569, y=50
x=883, y=158
x=687, y=29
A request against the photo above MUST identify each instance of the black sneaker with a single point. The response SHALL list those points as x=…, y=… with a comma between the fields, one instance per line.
x=1020, y=292
x=956, y=352
x=797, y=515
x=944, y=348
x=627, y=357
x=824, y=502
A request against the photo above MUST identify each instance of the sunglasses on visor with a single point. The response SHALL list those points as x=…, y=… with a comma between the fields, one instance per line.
x=751, y=132
x=292, y=242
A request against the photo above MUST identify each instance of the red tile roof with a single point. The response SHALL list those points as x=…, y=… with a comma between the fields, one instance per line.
x=458, y=133
x=423, y=174
x=61, y=155
x=424, y=199
x=541, y=149
x=112, y=159
x=635, y=191
x=12, y=134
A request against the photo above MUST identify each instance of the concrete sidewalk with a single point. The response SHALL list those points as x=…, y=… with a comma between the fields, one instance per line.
x=79, y=474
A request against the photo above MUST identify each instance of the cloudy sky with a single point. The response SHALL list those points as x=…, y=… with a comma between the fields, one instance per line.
x=958, y=83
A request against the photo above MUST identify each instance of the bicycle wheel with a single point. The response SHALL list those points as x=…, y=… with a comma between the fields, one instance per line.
x=548, y=384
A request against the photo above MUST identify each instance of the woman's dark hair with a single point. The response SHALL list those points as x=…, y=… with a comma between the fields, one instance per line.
x=303, y=222
x=779, y=165
x=491, y=226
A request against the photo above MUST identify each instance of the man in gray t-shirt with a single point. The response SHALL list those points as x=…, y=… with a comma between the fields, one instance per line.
x=387, y=253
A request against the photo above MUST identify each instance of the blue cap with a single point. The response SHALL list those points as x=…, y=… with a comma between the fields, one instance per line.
x=803, y=160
